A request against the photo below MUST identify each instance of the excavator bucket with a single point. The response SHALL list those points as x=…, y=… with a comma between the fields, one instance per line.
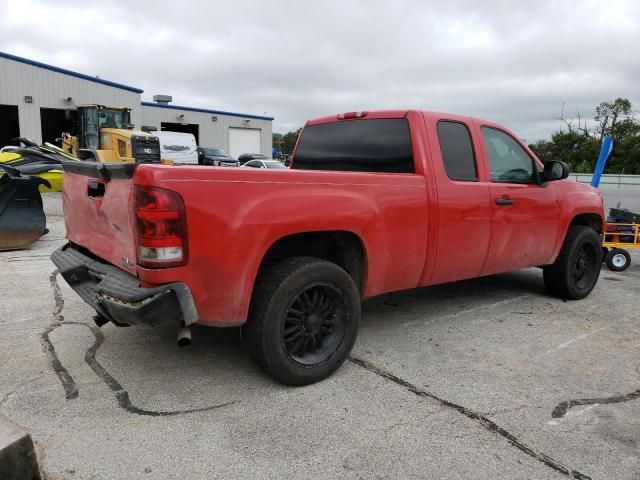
x=22, y=219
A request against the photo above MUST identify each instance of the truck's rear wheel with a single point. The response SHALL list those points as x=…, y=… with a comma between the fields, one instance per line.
x=575, y=272
x=303, y=320
x=618, y=260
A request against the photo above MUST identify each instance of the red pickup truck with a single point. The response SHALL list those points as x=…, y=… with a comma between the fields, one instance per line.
x=374, y=202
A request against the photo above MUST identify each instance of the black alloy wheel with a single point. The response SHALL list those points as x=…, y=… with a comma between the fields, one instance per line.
x=314, y=324
x=577, y=268
x=585, y=265
x=303, y=319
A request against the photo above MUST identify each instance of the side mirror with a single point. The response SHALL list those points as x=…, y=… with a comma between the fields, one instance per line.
x=555, y=170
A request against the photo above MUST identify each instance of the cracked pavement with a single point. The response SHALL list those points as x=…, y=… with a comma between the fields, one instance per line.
x=489, y=378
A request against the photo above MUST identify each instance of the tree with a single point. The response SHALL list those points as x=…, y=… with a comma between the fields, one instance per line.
x=290, y=139
x=608, y=113
x=286, y=142
x=579, y=146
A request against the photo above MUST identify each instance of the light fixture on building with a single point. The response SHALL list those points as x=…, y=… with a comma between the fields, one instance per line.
x=67, y=99
x=181, y=117
x=28, y=99
x=246, y=121
x=214, y=118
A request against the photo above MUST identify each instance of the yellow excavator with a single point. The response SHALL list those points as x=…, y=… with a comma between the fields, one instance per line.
x=107, y=135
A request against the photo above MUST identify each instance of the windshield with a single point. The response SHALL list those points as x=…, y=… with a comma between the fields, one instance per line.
x=215, y=152
x=109, y=118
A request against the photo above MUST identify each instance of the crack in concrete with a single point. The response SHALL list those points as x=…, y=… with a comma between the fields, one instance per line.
x=563, y=407
x=481, y=419
x=69, y=384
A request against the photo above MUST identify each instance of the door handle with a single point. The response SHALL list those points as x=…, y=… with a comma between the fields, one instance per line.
x=504, y=201
x=95, y=189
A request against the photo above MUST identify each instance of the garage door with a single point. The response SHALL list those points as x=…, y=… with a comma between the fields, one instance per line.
x=243, y=140
x=9, y=126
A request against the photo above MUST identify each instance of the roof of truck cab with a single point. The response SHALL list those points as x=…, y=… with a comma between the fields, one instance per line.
x=377, y=114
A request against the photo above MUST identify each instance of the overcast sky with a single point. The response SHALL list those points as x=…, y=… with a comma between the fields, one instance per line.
x=511, y=62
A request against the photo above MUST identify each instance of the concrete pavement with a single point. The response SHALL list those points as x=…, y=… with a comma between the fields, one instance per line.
x=489, y=378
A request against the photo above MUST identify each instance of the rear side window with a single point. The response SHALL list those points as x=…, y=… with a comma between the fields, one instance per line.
x=457, y=151
x=376, y=145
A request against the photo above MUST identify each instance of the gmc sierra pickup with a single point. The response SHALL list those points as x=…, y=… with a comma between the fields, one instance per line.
x=374, y=202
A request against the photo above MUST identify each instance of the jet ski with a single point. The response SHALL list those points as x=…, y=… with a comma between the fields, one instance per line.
x=43, y=161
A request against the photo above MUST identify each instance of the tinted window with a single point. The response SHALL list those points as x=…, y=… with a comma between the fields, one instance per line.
x=508, y=162
x=457, y=151
x=215, y=152
x=377, y=145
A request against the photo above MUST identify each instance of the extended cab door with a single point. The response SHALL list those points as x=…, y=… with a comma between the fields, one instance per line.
x=524, y=214
x=464, y=213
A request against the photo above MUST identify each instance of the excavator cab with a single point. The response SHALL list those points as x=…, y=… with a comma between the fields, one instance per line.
x=93, y=118
x=106, y=135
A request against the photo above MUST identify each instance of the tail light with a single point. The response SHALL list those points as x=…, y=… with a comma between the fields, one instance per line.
x=161, y=227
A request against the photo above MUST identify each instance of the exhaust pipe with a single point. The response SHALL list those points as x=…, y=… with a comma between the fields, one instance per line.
x=184, y=336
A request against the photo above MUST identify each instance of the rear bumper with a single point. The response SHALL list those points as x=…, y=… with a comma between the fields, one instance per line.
x=118, y=296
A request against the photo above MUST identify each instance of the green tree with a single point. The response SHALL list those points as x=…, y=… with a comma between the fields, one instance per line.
x=290, y=139
x=286, y=142
x=608, y=114
x=579, y=147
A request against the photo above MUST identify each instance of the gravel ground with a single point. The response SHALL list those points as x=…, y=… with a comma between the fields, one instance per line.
x=481, y=379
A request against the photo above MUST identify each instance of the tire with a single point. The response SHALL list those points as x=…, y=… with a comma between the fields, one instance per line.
x=618, y=260
x=575, y=272
x=303, y=320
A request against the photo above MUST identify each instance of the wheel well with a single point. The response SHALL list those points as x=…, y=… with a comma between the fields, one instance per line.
x=591, y=220
x=340, y=247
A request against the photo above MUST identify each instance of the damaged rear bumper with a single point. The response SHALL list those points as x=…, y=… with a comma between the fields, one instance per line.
x=118, y=296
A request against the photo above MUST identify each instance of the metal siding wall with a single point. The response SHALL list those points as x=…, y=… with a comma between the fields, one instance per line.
x=212, y=134
x=48, y=89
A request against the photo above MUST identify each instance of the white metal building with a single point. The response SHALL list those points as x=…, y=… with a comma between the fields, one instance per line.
x=38, y=101
x=237, y=133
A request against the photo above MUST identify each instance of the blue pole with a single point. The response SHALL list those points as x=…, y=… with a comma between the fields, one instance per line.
x=605, y=152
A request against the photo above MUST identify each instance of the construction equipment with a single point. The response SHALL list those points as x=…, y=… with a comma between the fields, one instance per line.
x=106, y=135
x=22, y=218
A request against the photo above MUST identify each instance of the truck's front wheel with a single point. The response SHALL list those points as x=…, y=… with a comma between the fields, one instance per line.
x=575, y=272
x=303, y=319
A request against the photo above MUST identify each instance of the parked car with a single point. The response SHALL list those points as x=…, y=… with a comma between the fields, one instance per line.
x=216, y=157
x=245, y=157
x=181, y=148
x=375, y=202
x=264, y=164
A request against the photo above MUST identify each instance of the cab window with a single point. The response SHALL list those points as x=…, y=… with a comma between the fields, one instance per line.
x=508, y=161
x=373, y=145
x=457, y=151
